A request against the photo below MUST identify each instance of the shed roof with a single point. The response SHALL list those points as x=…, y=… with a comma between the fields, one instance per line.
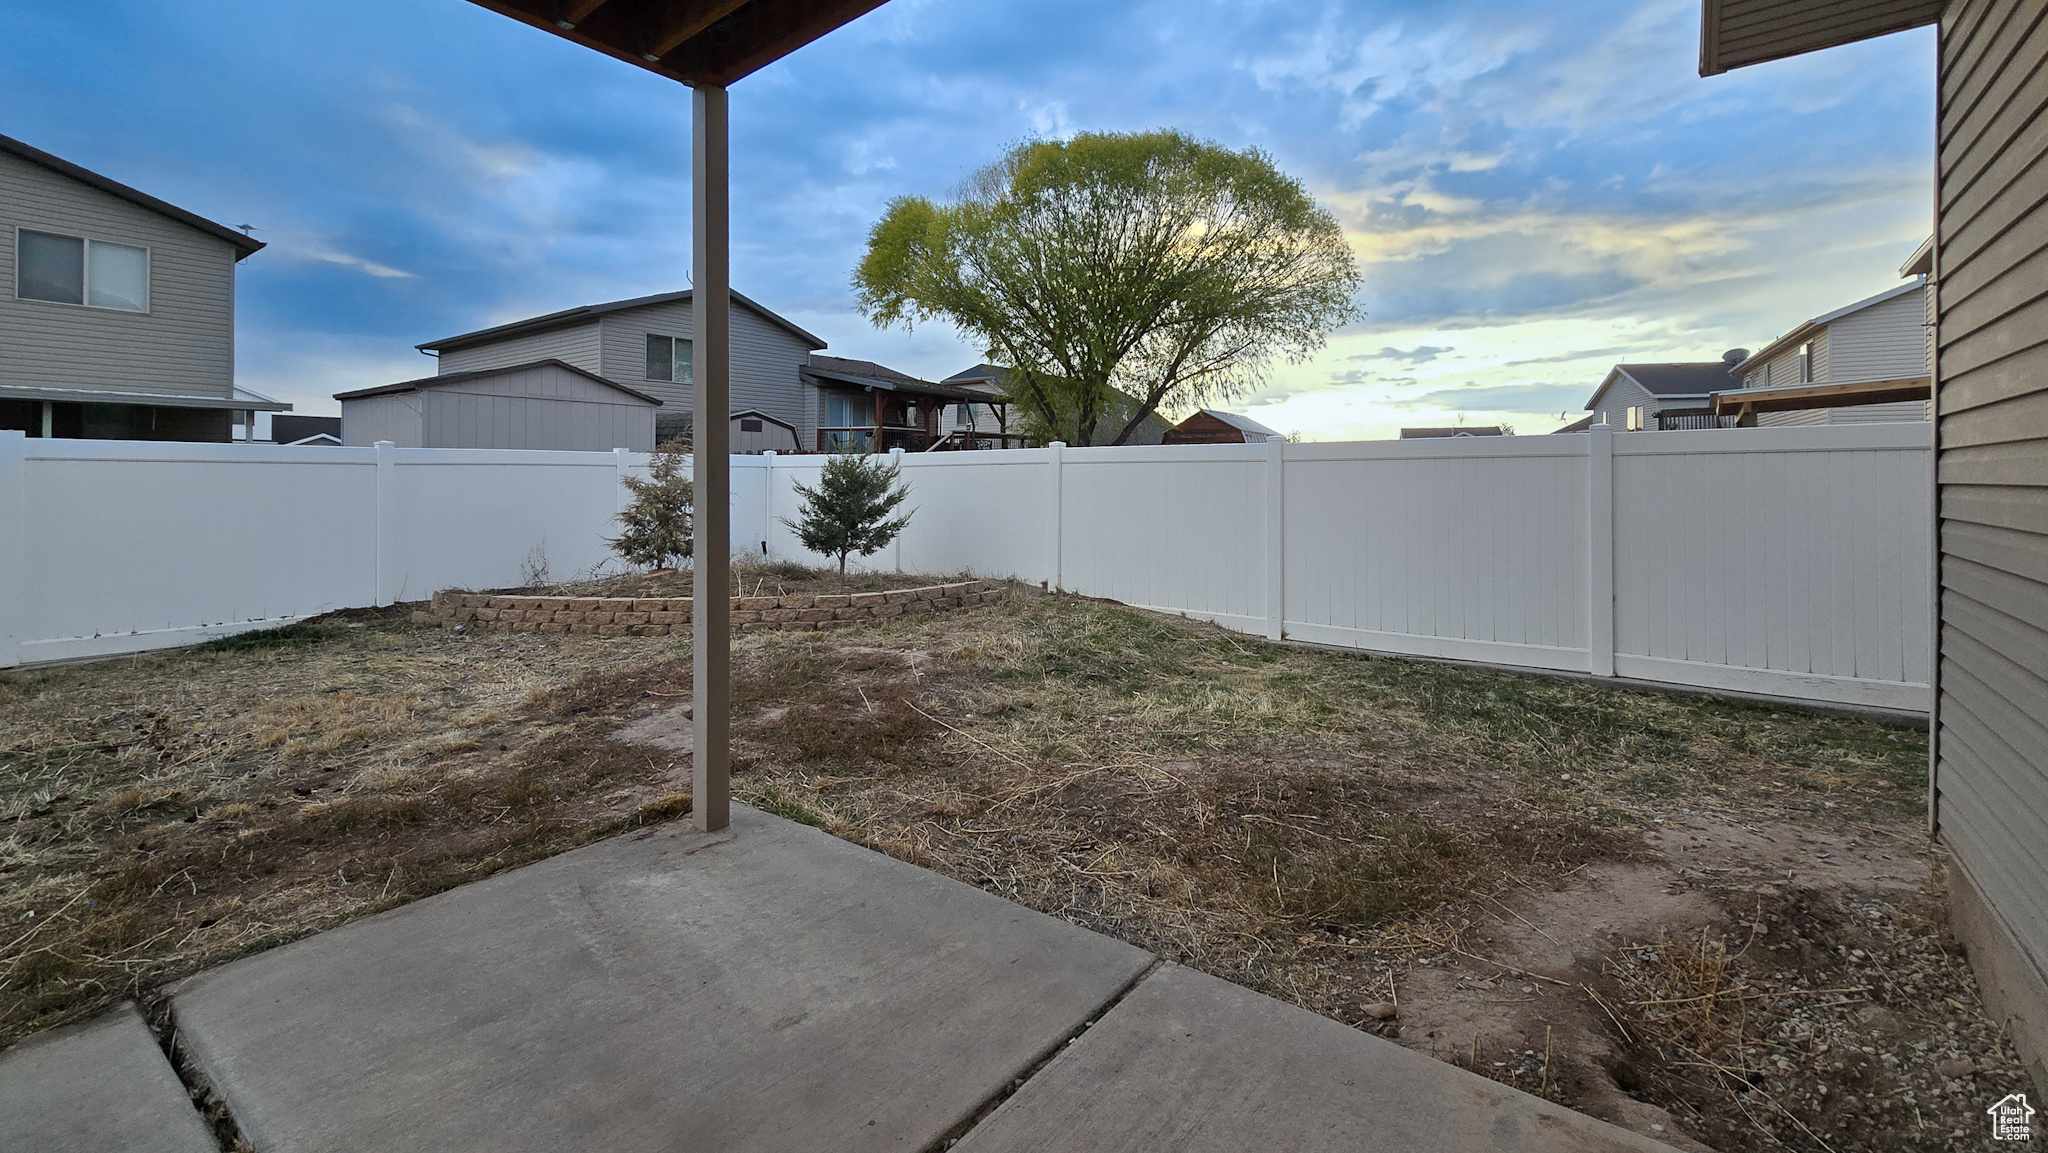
x=583, y=312
x=427, y=382
x=694, y=41
x=1239, y=422
x=243, y=242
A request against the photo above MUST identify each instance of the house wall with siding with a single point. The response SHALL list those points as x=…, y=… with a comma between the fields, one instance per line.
x=1991, y=768
x=576, y=344
x=398, y=417
x=1622, y=395
x=543, y=407
x=765, y=361
x=184, y=344
x=1883, y=342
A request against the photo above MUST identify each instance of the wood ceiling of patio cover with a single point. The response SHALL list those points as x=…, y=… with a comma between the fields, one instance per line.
x=697, y=42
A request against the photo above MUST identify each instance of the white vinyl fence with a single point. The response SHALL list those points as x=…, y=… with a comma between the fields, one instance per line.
x=1786, y=561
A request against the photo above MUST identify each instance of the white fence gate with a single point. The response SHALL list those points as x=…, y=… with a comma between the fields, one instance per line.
x=1787, y=561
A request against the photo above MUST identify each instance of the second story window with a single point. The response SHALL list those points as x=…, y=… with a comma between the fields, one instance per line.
x=1806, y=364
x=74, y=270
x=669, y=358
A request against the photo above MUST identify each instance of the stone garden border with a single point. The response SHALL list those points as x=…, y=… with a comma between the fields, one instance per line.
x=670, y=616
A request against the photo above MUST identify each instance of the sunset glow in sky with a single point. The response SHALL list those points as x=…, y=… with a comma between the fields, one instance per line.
x=1536, y=191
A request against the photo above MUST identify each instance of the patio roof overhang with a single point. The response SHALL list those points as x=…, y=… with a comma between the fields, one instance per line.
x=697, y=42
x=1822, y=394
x=1738, y=33
x=706, y=44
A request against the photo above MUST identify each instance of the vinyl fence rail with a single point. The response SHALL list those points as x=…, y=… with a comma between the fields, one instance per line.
x=1792, y=562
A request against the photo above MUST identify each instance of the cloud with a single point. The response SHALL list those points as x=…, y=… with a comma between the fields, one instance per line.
x=1533, y=398
x=319, y=253
x=1422, y=354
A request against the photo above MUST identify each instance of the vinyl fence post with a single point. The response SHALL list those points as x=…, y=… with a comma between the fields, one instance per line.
x=1276, y=539
x=1600, y=550
x=767, y=499
x=896, y=546
x=387, y=522
x=13, y=545
x=620, y=463
x=1055, y=453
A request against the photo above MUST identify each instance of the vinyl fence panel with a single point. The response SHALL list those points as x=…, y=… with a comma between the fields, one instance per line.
x=1784, y=561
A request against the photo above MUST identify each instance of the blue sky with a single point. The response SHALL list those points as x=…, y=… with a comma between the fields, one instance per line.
x=1535, y=191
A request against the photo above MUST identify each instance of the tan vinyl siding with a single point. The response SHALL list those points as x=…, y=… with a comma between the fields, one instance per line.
x=575, y=344
x=185, y=343
x=1992, y=440
x=765, y=361
x=1886, y=341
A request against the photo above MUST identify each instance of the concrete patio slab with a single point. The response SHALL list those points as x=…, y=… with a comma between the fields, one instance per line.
x=769, y=988
x=100, y=1087
x=1194, y=1064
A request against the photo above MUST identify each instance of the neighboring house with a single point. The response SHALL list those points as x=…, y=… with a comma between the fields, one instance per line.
x=1452, y=432
x=1214, y=426
x=545, y=404
x=305, y=429
x=1646, y=397
x=646, y=344
x=252, y=424
x=1989, y=797
x=986, y=419
x=1866, y=356
x=867, y=407
x=117, y=310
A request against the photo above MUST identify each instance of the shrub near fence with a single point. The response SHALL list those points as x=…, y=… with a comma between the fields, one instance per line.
x=1786, y=561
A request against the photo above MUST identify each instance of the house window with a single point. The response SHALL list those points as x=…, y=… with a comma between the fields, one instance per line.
x=74, y=270
x=1635, y=418
x=670, y=358
x=1806, y=364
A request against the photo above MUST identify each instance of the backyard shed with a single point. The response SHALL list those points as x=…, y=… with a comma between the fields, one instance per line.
x=1214, y=426
x=545, y=404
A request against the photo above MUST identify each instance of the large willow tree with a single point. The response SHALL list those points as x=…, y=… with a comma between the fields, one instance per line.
x=1116, y=274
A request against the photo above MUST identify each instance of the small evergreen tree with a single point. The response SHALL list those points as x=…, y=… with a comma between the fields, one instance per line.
x=657, y=523
x=849, y=510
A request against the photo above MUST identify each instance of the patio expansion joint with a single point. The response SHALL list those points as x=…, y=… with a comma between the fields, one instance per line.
x=1016, y=1084
x=208, y=1102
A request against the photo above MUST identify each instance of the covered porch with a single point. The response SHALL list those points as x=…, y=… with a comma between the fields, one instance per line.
x=868, y=407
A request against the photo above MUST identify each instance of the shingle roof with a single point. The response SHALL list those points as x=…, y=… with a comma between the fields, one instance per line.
x=868, y=374
x=1688, y=379
x=584, y=312
x=243, y=242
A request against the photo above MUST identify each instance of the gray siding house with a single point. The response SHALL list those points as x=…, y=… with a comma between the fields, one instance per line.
x=646, y=344
x=1644, y=397
x=1989, y=796
x=117, y=310
x=1877, y=339
x=546, y=404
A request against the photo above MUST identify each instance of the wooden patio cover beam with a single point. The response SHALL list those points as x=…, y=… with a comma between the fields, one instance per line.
x=696, y=42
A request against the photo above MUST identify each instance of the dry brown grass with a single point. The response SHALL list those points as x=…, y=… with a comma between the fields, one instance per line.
x=1307, y=823
x=164, y=813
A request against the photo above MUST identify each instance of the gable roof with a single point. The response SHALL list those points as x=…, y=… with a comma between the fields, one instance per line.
x=243, y=242
x=428, y=382
x=1812, y=328
x=1686, y=378
x=583, y=312
x=868, y=374
x=1240, y=423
